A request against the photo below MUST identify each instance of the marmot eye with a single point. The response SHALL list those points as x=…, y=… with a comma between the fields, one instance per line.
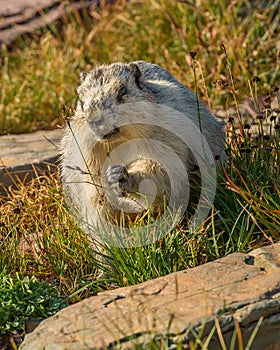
x=122, y=91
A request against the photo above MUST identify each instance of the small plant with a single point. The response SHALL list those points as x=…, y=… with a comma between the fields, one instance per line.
x=250, y=186
x=25, y=298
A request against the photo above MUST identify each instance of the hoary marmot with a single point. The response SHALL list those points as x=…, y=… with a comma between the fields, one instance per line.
x=109, y=96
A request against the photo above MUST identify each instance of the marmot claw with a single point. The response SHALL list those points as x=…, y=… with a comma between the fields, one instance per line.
x=116, y=177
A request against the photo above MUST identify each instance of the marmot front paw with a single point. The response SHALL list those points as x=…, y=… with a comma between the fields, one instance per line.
x=117, y=178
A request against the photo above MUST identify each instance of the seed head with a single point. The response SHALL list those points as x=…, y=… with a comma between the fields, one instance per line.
x=267, y=99
x=17, y=210
x=193, y=54
x=256, y=79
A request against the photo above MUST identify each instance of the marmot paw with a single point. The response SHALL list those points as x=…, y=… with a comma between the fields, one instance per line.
x=116, y=177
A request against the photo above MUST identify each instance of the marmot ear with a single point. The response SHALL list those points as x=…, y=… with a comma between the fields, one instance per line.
x=135, y=70
x=83, y=76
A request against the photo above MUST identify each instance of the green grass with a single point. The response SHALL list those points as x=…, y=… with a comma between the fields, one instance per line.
x=38, y=237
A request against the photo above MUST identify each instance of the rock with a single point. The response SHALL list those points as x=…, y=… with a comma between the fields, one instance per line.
x=24, y=156
x=265, y=119
x=19, y=17
x=241, y=287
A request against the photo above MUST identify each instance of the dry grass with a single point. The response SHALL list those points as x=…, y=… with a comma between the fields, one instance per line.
x=39, y=237
x=40, y=75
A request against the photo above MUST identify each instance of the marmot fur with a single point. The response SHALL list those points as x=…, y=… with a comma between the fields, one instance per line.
x=108, y=95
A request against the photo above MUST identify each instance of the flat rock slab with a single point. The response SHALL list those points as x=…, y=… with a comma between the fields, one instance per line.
x=16, y=7
x=24, y=154
x=19, y=17
x=244, y=287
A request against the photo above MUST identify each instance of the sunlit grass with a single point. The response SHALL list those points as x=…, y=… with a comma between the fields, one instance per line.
x=38, y=76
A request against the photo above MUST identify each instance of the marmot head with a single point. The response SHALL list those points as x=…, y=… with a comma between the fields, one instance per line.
x=110, y=85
